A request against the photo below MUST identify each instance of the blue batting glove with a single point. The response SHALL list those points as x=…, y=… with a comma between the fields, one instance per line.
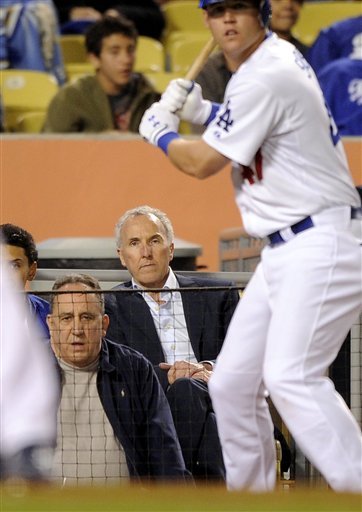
x=159, y=126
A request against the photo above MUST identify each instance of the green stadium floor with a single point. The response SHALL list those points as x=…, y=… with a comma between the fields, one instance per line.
x=19, y=498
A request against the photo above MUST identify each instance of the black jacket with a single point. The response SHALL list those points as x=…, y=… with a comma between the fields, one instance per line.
x=207, y=314
x=139, y=413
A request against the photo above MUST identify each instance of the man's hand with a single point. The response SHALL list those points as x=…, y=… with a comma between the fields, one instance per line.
x=184, y=98
x=185, y=369
x=159, y=126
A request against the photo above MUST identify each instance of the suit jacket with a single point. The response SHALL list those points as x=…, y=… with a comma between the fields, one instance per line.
x=207, y=314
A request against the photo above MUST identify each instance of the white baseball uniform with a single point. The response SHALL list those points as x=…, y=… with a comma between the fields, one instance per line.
x=289, y=168
x=28, y=381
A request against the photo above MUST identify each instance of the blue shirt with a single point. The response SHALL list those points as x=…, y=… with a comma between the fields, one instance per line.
x=40, y=308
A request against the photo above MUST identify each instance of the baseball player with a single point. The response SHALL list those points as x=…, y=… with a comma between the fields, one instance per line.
x=29, y=389
x=292, y=186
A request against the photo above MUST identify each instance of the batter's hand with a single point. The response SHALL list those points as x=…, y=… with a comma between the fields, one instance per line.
x=175, y=94
x=184, y=97
x=159, y=126
x=185, y=369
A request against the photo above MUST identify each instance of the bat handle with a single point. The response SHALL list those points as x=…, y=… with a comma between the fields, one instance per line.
x=201, y=59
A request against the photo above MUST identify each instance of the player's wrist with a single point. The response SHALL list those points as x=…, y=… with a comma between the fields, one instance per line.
x=213, y=111
x=165, y=140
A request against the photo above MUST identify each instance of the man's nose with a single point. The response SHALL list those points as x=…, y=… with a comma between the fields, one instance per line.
x=146, y=250
x=77, y=326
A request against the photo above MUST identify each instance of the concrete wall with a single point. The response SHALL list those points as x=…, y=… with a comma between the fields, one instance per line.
x=63, y=186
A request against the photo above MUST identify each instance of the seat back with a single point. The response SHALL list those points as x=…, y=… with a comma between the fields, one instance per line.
x=318, y=15
x=183, y=52
x=182, y=16
x=150, y=55
x=25, y=91
x=31, y=122
x=73, y=48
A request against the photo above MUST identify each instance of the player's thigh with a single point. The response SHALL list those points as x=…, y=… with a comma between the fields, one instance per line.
x=316, y=295
x=243, y=348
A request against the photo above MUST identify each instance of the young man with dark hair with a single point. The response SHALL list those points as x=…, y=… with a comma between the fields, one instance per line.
x=22, y=256
x=116, y=97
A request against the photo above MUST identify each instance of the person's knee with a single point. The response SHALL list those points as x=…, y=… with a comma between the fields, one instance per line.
x=277, y=382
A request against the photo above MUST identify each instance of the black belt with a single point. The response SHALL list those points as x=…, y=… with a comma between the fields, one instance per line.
x=302, y=225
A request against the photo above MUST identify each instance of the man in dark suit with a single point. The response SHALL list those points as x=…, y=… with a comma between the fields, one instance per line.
x=179, y=329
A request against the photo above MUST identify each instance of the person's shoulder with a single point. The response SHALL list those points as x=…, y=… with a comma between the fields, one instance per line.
x=349, y=24
x=128, y=355
x=342, y=66
x=39, y=303
x=142, y=84
x=199, y=280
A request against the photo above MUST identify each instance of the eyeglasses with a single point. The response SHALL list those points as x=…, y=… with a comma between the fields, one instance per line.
x=218, y=10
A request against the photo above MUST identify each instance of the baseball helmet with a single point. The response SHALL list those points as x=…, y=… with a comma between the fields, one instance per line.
x=263, y=7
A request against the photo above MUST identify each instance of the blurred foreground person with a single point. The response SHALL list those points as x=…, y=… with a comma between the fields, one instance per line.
x=29, y=390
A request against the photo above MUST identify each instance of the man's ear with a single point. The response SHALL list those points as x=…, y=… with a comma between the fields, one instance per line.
x=172, y=251
x=105, y=324
x=119, y=251
x=49, y=320
x=94, y=60
x=32, y=271
x=206, y=18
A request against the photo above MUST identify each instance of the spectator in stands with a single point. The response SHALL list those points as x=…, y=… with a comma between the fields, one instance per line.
x=336, y=56
x=22, y=257
x=216, y=73
x=341, y=83
x=76, y=15
x=29, y=37
x=2, y=117
x=180, y=333
x=29, y=391
x=339, y=40
x=116, y=97
x=114, y=422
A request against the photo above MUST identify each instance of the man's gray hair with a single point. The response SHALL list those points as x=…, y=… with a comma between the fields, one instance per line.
x=89, y=281
x=144, y=210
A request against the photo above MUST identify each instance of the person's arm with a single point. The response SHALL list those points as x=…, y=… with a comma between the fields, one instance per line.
x=62, y=115
x=183, y=100
x=196, y=158
x=164, y=456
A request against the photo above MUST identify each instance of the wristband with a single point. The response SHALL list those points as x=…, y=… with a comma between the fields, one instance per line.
x=165, y=140
x=214, y=108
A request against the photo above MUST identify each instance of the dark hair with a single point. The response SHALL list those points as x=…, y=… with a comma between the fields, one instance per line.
x=89, y=281
x=19, y=237
x=106, y=27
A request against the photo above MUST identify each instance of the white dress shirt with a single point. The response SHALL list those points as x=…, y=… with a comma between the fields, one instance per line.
x=169, y=318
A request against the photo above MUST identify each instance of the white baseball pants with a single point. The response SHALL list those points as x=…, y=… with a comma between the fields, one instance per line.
x=286, y=331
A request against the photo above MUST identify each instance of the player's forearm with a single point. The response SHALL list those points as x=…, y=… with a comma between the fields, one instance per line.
x=195, y=158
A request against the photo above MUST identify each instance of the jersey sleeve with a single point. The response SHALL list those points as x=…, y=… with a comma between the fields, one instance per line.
x=246, y=118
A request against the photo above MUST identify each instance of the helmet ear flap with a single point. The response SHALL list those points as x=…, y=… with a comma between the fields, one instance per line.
x=265, y=12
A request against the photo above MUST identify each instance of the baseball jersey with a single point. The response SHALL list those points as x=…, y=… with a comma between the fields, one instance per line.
x=341, y=83
x=340, y=40
x=288, y=160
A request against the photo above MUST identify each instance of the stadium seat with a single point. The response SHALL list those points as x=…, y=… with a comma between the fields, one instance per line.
x=161, y=79
x=182, y=16
x=31, y=122
x=25, y=91
x=317, y=15
x=75, y=70
x=73, y=48
x=150, y=55
x=182, y=52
